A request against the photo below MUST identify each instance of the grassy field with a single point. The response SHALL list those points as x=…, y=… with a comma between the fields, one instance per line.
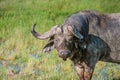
x=21, y=56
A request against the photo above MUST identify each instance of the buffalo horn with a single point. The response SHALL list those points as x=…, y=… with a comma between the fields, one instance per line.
x=76, y=32
x=44, y=35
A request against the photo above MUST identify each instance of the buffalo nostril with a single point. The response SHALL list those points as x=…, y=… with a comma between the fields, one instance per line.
x=61, y=52
x=64, y=52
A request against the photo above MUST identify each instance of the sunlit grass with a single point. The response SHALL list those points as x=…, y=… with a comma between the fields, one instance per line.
x=21, y=56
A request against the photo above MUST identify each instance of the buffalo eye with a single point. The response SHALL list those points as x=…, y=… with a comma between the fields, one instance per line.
x=56, y=40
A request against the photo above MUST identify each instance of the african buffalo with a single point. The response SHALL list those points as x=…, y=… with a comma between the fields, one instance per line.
x=72, y=41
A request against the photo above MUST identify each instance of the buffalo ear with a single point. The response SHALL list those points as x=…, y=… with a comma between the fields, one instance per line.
x=49, y=46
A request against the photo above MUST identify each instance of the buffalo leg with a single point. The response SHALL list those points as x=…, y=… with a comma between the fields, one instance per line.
x=84, y=71
x=80, y=71
x=88, y=71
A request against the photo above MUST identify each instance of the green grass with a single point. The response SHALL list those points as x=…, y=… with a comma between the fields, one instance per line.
x=21, y=56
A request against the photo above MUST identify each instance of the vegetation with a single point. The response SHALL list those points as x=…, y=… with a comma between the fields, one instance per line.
x=21, y=57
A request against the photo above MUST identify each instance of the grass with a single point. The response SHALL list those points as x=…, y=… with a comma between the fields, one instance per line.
x=21, y=57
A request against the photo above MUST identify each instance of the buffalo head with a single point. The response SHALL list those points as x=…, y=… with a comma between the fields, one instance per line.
x=61, y=38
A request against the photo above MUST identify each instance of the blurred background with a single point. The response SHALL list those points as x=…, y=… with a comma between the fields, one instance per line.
x=21, y=56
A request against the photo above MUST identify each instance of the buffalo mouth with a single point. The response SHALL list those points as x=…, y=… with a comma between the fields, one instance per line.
x=64, y=54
